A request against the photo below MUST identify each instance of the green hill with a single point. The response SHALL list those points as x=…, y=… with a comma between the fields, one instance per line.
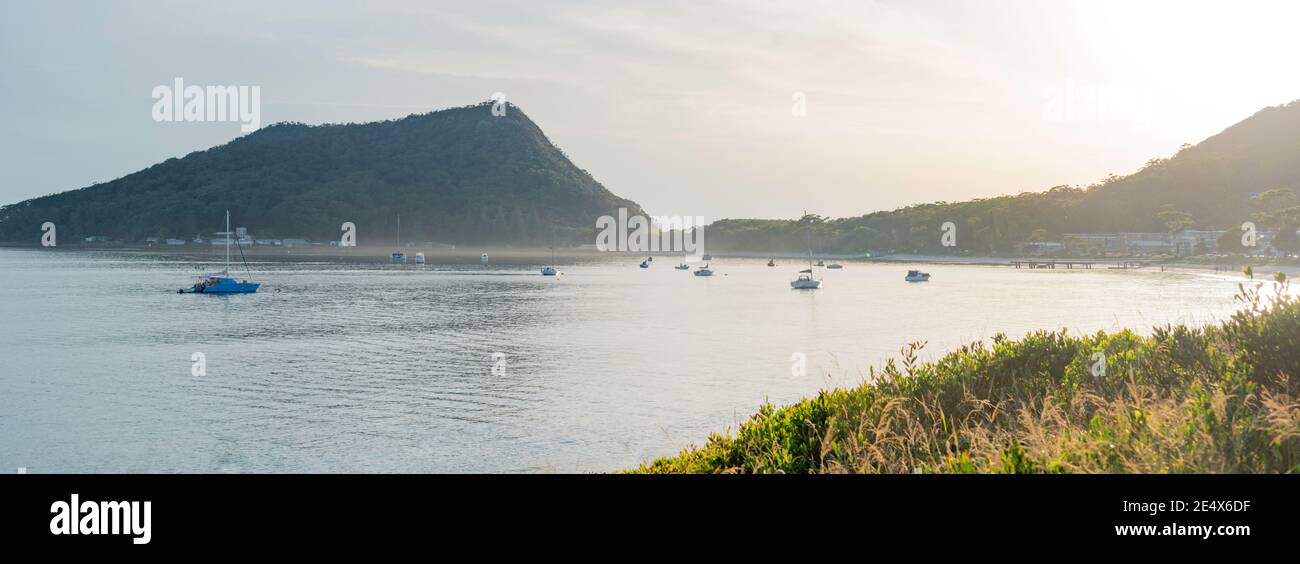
x=1217, y=184
x=459, y=175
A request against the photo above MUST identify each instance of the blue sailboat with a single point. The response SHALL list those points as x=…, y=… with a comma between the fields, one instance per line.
x=221, y=282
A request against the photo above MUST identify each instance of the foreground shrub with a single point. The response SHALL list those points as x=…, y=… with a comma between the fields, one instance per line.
x=1217, y=399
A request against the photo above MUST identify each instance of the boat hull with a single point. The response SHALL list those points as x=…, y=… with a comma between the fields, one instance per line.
x=805, y=284
x=236, y=288
x=221, y=286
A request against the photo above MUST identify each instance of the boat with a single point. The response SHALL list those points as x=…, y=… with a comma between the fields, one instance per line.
x=820, y=263
x=917, y=276
x=548, y=270
x=221, y=282
x=419, y=258
x=704, y=271
x=649, y=259
x=398, y=257
x=834, y=266
x=805, y=281
x=483, y=258
x=683, y=266
x=645, y=263
x=771, y=262
x=706, y=257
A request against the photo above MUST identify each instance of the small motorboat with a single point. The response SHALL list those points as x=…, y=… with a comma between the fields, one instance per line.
x=483, y=258
x=706, y=257
x=805, y=281
x=917, y=276
x=649, y=259
x=820, y=263
x=419, y=258
x=834, y=266
x=771, y=262
x=645, y=263
x=683, y=266
x=704, y=271
x=397, y=258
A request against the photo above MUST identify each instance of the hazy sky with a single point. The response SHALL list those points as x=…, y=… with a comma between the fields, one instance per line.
x=685, y=107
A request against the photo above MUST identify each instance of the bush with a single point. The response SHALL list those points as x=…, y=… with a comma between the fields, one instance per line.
x=1199, y=400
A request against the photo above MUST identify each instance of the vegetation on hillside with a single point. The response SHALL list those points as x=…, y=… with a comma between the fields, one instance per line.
x=459, y=175
x=1223, y=398
x=1249, y=172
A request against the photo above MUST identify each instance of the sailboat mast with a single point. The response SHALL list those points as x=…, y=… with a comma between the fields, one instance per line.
x=227, y=241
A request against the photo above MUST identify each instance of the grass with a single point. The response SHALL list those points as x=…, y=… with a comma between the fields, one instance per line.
x=1217, y=399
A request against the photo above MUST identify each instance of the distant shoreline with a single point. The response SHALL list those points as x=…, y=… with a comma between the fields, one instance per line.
x=379, y=251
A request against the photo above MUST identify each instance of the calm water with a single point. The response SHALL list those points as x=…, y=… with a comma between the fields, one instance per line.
x=370, y=367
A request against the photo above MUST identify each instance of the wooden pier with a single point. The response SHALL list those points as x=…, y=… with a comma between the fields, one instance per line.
x=1070, y=264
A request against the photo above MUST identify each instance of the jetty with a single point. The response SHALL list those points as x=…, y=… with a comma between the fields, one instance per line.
x=1070, y=264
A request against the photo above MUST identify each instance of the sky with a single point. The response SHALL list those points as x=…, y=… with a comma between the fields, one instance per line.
x=713, y=109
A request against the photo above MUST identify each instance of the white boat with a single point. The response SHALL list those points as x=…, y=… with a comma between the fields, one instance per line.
x=397, y=258
x=419, y=258
x=820, y=263
x=704, y=271
x=706, y=257
x=917, y=276
x=483, y=258
x=645, y=263
x=547, y=270
x=834, y=266
x=805, y=281
x=683, y=266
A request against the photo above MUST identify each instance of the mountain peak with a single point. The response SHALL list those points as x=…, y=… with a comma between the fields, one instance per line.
x=458, y=175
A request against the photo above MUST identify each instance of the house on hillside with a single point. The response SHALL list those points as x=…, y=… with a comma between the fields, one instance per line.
x=1037, y=248
x=1083, y=244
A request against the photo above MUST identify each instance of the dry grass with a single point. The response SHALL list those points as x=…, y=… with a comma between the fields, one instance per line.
x=1214, y=400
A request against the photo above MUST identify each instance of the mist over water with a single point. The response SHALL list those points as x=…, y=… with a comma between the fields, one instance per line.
x=362, y=366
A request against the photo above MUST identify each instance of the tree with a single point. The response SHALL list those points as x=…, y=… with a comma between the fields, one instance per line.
x=1278, y=199
x=1286, y=240
x=1175, y=221
x=1230, y=242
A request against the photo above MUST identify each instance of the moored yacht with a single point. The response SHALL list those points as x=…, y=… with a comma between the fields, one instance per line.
x=917, y=276
x=548, y=270
x=221, y=282
x=805, y=281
